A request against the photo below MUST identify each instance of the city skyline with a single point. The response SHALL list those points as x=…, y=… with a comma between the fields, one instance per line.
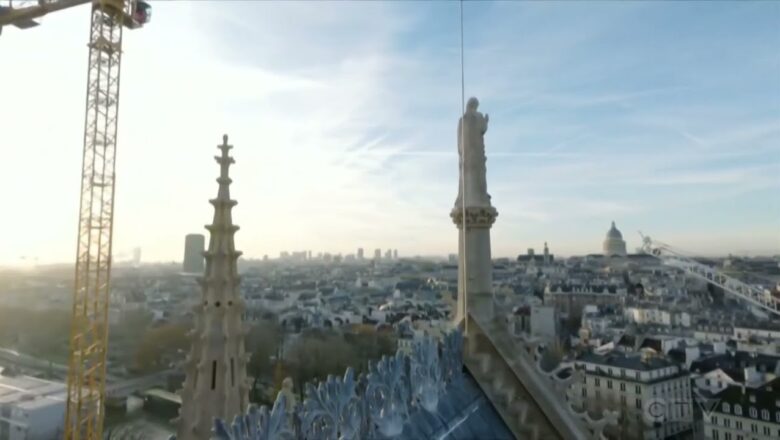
x=647, y=114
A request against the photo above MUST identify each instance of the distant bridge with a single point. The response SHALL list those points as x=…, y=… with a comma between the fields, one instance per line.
x=124, y=388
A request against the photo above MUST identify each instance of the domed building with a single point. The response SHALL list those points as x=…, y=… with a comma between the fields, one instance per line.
x=614, y=245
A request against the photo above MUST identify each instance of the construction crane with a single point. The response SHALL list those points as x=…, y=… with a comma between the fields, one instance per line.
x=85, y=411
x=761, y=300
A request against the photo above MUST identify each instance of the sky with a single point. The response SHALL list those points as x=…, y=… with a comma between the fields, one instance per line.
x=661, y=116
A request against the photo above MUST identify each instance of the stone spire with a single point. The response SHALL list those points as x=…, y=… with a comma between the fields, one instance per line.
x=475, y=267
x=216, y=383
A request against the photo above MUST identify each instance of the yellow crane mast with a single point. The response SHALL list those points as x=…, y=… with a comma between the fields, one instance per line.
x=85, y=411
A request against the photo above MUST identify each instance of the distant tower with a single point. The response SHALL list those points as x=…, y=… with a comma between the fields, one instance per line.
x=216, y=383
x=388, y=254
x=614, y=245
x=546, y=254
x=360, y=253
x=377, y=254
x=395, y=254
x=136, y=257
x=194, y=245
x=475, y=267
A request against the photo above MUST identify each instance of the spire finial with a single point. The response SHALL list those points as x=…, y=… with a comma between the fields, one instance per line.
x=224, y=139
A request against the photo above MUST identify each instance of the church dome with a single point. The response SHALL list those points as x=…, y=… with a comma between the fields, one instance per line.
x=614, y=245
x=614, y=233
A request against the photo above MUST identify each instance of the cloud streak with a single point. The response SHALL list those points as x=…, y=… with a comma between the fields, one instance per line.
x=344, y=115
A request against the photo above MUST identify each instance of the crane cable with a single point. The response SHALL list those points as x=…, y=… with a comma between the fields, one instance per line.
x=464, y=256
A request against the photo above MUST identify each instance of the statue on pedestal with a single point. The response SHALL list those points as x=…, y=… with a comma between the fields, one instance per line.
x=290, y=398
x=471, y=148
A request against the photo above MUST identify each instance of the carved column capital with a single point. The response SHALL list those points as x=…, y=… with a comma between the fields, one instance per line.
x=476, y=217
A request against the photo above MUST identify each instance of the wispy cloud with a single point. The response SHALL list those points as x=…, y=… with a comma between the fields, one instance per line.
x=344, y=113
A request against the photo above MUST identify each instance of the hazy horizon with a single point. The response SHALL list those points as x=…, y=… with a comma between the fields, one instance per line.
x=664, y=117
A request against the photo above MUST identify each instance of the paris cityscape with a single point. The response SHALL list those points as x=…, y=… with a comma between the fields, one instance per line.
x=511, y=253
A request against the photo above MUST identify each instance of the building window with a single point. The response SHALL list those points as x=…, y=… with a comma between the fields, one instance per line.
x=738, y=409
x=715, y=434
x=622, y=386
x=598, y=382
x=638, y=389
x=727, y=422
x=609, y=384
x=753, y=412
x=639, y=403
x=213, y=375
x=753, y=428
x=765, y=414
x=727, y=435
x=714, y=420
x=726, y=408
x=232, y=373
x=584, y=392
x=767, y=431
x=739, y=424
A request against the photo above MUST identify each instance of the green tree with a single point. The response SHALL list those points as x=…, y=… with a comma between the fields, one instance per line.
x=41, y=333
x=158, y=344
x=263, y=342
x=315, y=355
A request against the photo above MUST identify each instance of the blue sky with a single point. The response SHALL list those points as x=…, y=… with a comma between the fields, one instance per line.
x=662, y=116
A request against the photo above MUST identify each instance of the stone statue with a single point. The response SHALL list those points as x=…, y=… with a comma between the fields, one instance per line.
x=290, y=398
x=471, y=148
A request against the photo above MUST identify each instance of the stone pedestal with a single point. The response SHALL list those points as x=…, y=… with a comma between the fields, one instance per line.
x=475, y=277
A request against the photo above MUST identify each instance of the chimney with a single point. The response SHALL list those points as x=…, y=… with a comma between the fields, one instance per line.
x=691, y=355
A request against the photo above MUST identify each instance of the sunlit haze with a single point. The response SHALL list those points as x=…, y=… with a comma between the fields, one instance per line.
x=662, y=117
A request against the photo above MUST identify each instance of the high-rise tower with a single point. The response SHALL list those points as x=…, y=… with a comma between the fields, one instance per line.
x=546, y=254
x=194, y=245
x=216, y=383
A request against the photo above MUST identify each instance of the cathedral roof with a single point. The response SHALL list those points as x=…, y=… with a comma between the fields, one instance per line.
x=459, y=409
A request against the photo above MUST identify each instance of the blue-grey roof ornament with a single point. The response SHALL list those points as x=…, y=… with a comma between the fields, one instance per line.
x=332, y=411
x=426, y=374
x=258, y=424
x=388, y=393
x=378, y=405
x=452, y=356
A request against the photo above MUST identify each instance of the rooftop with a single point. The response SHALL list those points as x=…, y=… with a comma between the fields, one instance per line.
x=627, y=361
x=766, y=396
x=734, y=363
x=29, y=392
